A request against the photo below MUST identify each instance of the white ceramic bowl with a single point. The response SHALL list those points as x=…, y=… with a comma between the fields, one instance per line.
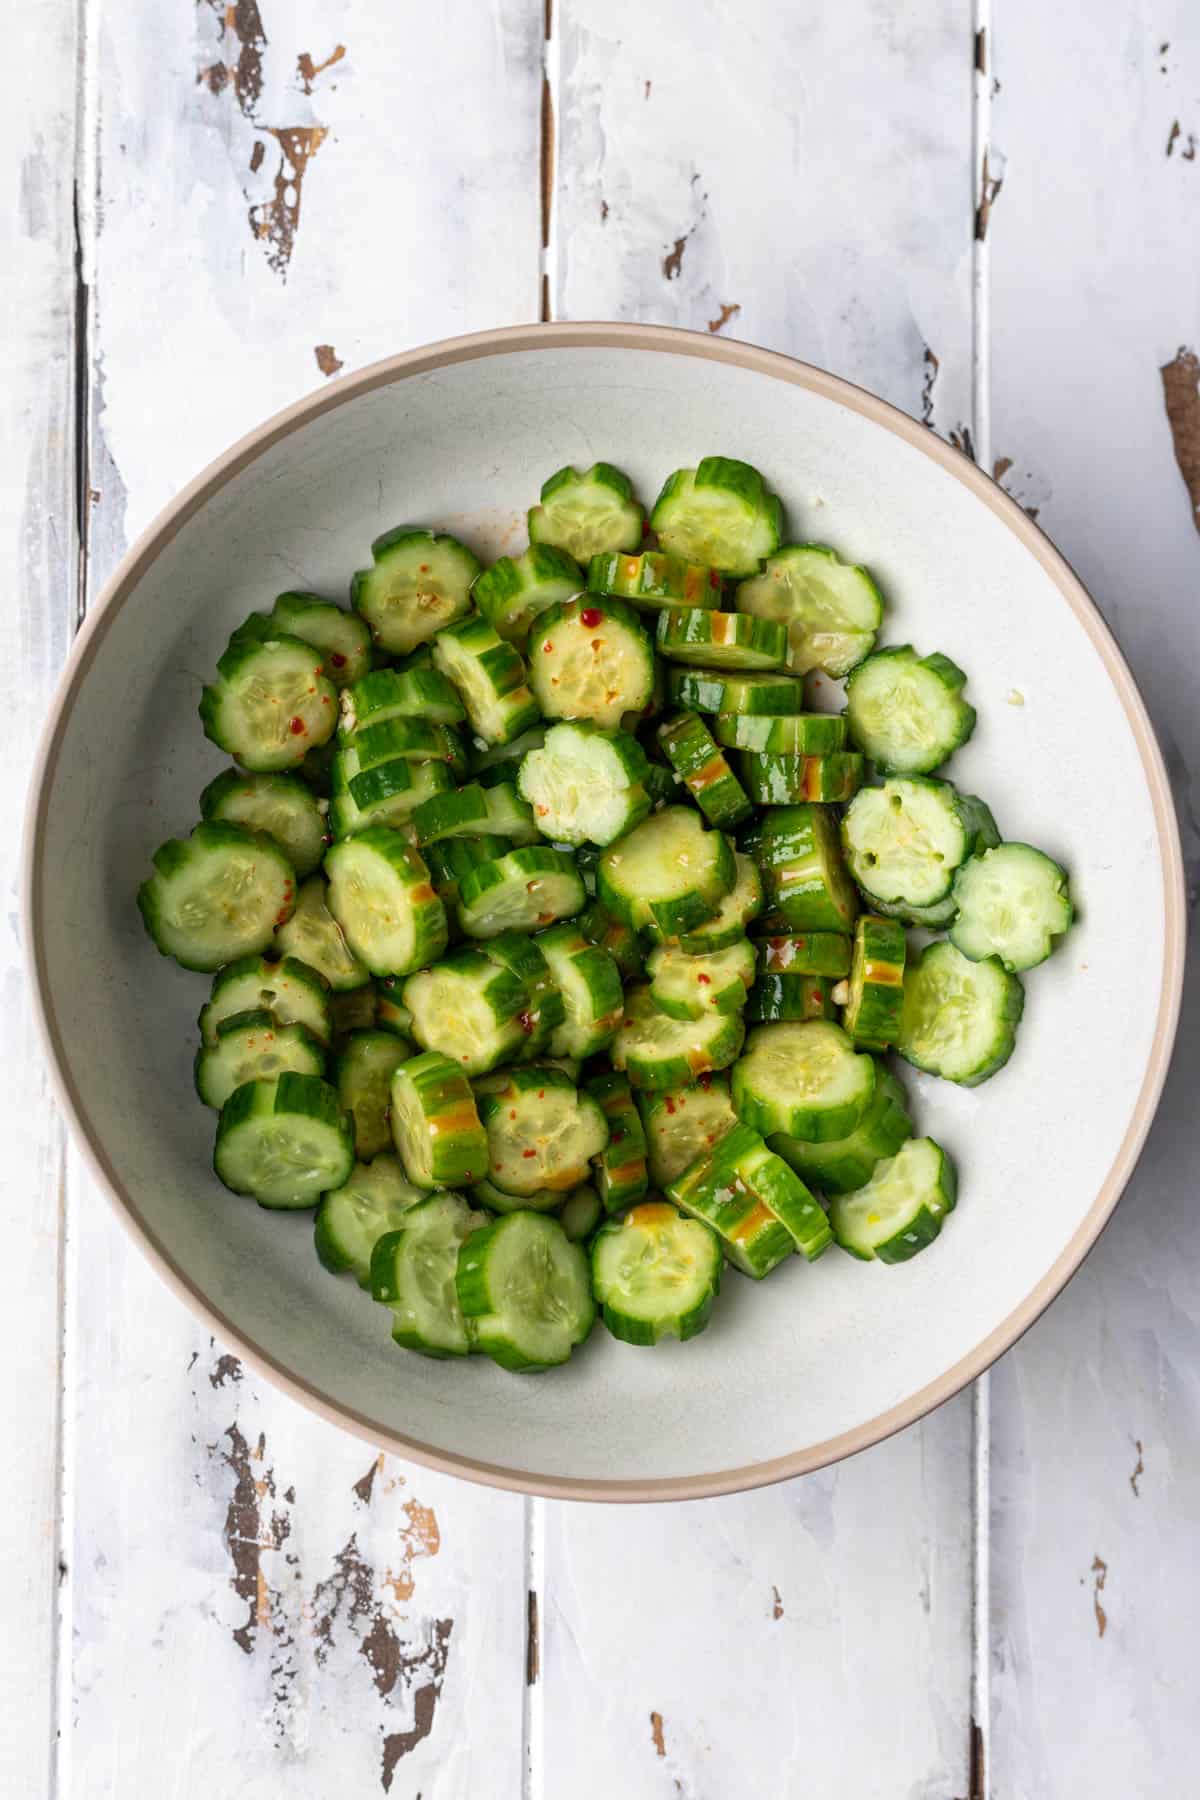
x=816, y=1362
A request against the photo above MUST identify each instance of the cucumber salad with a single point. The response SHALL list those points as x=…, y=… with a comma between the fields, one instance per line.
x=558, y=943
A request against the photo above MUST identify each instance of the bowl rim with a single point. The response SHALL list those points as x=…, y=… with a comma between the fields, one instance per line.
x=671, y=341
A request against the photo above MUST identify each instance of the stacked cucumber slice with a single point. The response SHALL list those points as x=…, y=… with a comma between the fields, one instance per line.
x=558, y=941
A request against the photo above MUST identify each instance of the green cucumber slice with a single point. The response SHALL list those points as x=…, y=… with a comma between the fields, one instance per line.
x=542, y=1133
x=543, y=1009
x=387, y=794
x=419, y=693
x=291, y=991
x=516, y=589
x=960, y=1018
x=601, y=928
x=684, y=1123
x=901, y=1208
x=905, y=841
x=469, y=1008
x=687, y=987
x=413, y=1274
x=702, y=767
x=353, y=1010
x=521, y=891
x=621, y=1174
x=363, y=1073
x=654, y=580
x=253, y=1046
x=806, y=953
x=832, y=609
x=733, y=914
x=407, y=740
x=587, y=515
x=581, y=1213
x=340, y=636
x=788, y=780
x=876, y=988
x=381, y=895
x=585, y=784
x=589, y=982
x=279, y=805
x=271, y=701
x=655, y=1274
x=906, y=712
x=314, y=936
x=435, y=1123
x=669, y=873
x=351, y=1219
x=783, y=997
x=525, y=1287
x=285, y=1141
x=805, y=1079
x=420, y=582
x=727, y=691
x=475, y=811
x=217, y=895
x=799, y=856
x=1013, y=902
x=841, y=1164
x=758, y=1206
x=656, y=1051
x=590, y=658
x=720, y=640
x=719, y=513
x=783, y=734
x=490, y=677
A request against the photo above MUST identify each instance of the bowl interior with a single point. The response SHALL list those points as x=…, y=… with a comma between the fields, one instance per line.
x=812, y=1354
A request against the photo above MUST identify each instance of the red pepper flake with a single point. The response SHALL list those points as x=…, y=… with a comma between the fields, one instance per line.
x=424, y=569
x=297, y=727
x=704, y=1081
x=542, y=811
x=714, y=580
x=547, y=647
x=541, y=1093
x=670, y=1105
x=591, y=617
x=706, y=979
x=513, y=1113
x=529, y=1154
x=526, y=1022
x=337, y=659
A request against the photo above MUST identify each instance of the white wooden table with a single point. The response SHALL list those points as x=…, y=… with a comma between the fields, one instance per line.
x=989, y=218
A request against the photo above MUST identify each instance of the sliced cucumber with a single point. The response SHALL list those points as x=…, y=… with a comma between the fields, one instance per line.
x=711, y=639
x=719, y=513
x=799, y=855
x=543, y=1010
x=905, y=841
x=900, y=1209
x=291, y=991
x=407, y=740
x=387, y=794
x=876, y=988
x=654, y=580
x=728, y=923
x=684, y=1123
x=785, y=997
x=340, y=636
x=314, y=936
x=783, y=734
x=381, y=895
x=702, y=767
x=285, y=1141
x=522, y=891
x=581, y=1213
x=759, y=1207
x=906, y=712
x=253, y=1046
x=216, y=895
x=498, y=762
x=590, y=658
x=495, y=1200
x=279, y=805
x=589, y=514
x=960, y=1017
x=837, y=1166
x=786, y=780
x=607, y=932
x=717, y=691
x=1013, y=902
x=475, y=811
x=656, y=1051
x=413, y=1273
x=391, y=1014
x=655, y=1274
x=832, y=609
x=469, y=1008
x=585, y=784
x=542, y=1132
x=526, y=1289
x=353, y=1010
x=806, y=1079
x=363, y=1074
x=420, y=583
x=419, y=693
x=271, y=701
x=688, y=987
x=435, y=1123
x=806, y=953
x=352, y=1218
x=669, y=873
x=589, y=982
x=515, y=590
x=490, y=677
x=621, y=1173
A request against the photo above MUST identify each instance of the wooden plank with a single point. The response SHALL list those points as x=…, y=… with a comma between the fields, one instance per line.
x=1095, y=287
x=257, y=1602
x=37, y=575
x=710, y=175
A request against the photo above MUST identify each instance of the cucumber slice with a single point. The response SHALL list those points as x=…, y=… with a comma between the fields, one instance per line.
x=669, y=873
x=352, y=1218
x=655, y=1274
x=715, y=691
x=517, y=589
x=806, y=1079
x=495, y=1200
x=470, y=1009
x=787, y=780
x=905, y=841
x=581, y=1213
x=279, y=805
x=271, y=701
x=216, y=895
x=728, y=923
x=353, y=1010
x=387, y=794
x=600, y=927
x=543, y=1010
x=413, y=1274
x=314, y=936
x=759, y=1207
x=588, y=514
x=960, y=1017
x=520, y=892
x=407, y=740
x=315, y=770
x=784, y=997
x=876, y=989
x=420, y=582
x=526, y=1289
x=703, y=769
x=589, y=982
x=490, y=677
x=253, y=1046
x=720, y=640
x=720, y=513
x=591, y=659
x=688, y=987
x=621, y=1173
x=800, y=859
x=832, y=609
x=291, y=991
x=654, y=580
x=900, y=1209
x=585, y=785
x=787, y=734
x=498, y=762
x=1013, y=902
x=806, y=953
x=906, y=712
x=435, y=1123
x=659, y=1052
x=684, y=1123
x=340, y=636
x=381, y=895
x=391, y=1014
x=420, y=693
x=453, y=857
x=474, y=811
x=838, y=1166
x=285, y=1141
x=542, y=1133
x=363, y=1074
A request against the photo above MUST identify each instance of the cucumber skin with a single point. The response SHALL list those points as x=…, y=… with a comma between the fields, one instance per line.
x=921, y=1229
x=780, y=780
x=701, y=765
x=177, y=852
x=806, y=953
x=430, y=929
x=308, y=1095
x=790, y=838
x=652, y=1070
x=782, y=734
x=630, y=1328
x=841, y=1166
x=655, y=579
x=1005, y=1041
x=872, y=1013
x=676, y=914
x=704, y=635
x=621, y=1173
x=780, y=998
x=243, y=647
x=460, y=1158
x=515, y=580
x=474, y=1296
x=768, y=1114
